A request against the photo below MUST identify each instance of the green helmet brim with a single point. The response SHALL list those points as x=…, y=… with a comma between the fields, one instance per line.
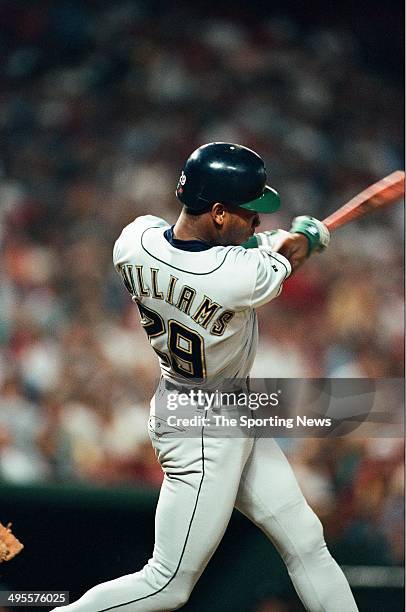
x=268, y=202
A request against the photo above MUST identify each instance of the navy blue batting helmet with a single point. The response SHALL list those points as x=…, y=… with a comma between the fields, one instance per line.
x=227, y=173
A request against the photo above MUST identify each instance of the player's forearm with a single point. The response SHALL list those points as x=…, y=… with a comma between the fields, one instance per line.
x=306, y=236
x=295, y=248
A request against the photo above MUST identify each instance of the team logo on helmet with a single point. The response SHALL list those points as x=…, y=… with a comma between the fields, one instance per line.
x=182, y=181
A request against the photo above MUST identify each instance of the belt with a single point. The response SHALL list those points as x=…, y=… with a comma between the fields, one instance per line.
x=170, y=386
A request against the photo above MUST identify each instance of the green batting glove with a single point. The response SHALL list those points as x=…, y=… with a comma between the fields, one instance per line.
x=315, y=231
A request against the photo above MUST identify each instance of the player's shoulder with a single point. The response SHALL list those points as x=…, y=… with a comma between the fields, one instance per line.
x=141, y=223
x=131, y=234
x=255, y=276
x=239, y=271
x=243, y=258
x=261, y=257
x=249, y=261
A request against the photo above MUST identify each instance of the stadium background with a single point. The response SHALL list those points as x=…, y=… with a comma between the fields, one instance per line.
x=100, y=104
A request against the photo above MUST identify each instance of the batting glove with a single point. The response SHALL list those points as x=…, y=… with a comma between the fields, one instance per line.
x=315, y=231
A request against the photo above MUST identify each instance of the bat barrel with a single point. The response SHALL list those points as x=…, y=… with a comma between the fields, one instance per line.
x=381, y=194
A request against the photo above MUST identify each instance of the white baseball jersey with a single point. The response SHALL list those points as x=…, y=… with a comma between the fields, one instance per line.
x=197, y=306
x=198, y=309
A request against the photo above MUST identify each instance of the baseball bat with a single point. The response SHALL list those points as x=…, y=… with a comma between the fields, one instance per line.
x=379, y=195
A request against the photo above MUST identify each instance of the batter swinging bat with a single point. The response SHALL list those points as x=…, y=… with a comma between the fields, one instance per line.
x=379, y=195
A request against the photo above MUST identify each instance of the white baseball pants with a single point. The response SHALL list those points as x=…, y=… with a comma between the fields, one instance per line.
x=205, y=478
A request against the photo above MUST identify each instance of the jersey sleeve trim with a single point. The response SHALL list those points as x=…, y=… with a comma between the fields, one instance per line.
x=285, y=262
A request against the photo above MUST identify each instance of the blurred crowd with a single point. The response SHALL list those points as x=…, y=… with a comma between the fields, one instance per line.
x=100, y=105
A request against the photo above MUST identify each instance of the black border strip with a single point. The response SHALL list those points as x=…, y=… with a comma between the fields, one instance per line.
x=183, y=549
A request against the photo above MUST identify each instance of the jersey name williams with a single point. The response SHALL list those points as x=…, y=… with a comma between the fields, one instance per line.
x=204, y=311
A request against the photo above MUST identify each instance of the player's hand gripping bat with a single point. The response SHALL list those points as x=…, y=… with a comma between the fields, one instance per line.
x=383, y=193
x=379, y=195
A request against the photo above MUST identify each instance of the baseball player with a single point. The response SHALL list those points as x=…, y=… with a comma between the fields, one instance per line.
x=197, y=286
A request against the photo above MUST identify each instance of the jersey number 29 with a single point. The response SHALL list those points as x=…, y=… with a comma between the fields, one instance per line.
x=185, y=346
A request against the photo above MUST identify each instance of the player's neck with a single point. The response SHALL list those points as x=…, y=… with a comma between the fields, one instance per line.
x=190, y=227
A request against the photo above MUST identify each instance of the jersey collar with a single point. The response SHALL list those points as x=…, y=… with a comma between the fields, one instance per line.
x=186, y=245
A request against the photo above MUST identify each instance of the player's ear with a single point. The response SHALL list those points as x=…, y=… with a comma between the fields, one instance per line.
x=218, y=213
